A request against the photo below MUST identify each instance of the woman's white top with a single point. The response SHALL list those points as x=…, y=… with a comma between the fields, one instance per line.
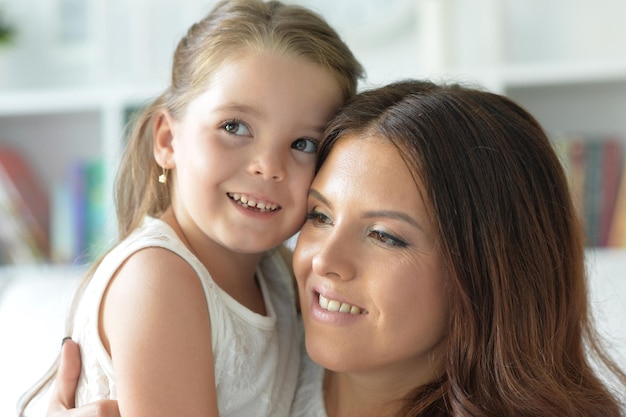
x=256, y=357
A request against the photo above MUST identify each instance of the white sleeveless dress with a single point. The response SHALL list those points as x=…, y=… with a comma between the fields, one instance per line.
x=256, y=357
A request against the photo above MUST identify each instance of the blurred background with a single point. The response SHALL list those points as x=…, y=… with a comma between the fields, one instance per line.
x=81, y=43
x=72, y=72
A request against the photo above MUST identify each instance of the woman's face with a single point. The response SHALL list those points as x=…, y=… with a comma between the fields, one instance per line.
x=369, y=272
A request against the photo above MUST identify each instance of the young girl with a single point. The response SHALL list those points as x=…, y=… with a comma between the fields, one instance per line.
x=192, y=312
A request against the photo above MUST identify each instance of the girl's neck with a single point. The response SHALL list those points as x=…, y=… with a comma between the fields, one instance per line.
x=234, y=273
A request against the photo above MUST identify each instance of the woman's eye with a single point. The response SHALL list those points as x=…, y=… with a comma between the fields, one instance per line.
x=306, y=145
x=236, y=127
x=387, y=239
x=317, y=217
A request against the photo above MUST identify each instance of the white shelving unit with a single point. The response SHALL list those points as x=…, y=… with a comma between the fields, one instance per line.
x=68, y=122
x=54, y=127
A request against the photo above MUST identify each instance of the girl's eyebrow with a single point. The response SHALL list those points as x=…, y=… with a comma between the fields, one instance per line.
x=240, y=108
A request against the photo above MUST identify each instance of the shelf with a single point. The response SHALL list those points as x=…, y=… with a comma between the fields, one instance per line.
x=523, y=76
x=520, y=76
x=76, y=100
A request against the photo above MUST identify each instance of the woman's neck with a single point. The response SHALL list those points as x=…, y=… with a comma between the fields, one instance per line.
x=347, y=395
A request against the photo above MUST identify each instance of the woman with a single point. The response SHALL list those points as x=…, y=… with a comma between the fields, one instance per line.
x=441, y=267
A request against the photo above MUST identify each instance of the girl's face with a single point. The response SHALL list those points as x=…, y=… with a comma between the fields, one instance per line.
x=243, y=155
x=368, y=268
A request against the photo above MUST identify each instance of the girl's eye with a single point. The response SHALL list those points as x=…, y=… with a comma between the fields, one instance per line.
x=236, y=127
x=317, y=217
x=387, y=239
x=306, y=145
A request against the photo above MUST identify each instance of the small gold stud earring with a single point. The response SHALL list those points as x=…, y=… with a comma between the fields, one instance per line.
x=163, y=176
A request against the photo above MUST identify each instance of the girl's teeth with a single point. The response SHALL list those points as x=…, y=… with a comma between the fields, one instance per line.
x=338, y=307
x=244, y=201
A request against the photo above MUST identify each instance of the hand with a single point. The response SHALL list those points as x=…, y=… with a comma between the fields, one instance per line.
x=62, y=395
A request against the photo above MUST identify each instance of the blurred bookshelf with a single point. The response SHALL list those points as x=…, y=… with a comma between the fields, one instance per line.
x=573, y=81
x=70, y=141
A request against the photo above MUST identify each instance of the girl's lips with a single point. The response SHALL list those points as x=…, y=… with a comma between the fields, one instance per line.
x=247, y=201
x=335, y=306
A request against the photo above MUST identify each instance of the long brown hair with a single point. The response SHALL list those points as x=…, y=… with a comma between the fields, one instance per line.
x=520, y=338
x=233, y=26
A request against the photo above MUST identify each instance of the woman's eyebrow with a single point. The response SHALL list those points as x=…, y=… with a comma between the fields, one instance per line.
x=316, y=194
x=392, y=214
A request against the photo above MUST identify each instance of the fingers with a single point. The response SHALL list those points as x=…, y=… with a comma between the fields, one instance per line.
x=105, y=408
x=102, y=408
x=69, y=371
x=62, y=397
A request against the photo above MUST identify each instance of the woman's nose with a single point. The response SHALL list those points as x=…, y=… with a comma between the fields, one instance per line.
x=334, y=258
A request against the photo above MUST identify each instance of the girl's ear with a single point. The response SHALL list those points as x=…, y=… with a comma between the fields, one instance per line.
x=163, y=134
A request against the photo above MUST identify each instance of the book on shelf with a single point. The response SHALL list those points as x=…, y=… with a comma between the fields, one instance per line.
x=617, y=234
x=595, y=167
x=24, y=211
x=17, y=245
x=78, y=213
x=612, y=168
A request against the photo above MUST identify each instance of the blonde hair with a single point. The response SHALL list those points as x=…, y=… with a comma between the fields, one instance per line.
x=233, y=26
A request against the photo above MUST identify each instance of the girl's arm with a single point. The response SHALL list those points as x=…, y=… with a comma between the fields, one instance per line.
x=155, y=324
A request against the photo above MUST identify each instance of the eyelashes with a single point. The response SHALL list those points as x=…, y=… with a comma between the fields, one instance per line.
x=387, y=239
x=319, y=219
x=236, y=127
x=239, y=128
x=306, y=145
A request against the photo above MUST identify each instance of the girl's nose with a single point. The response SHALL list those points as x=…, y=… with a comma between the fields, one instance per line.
x=268, y=164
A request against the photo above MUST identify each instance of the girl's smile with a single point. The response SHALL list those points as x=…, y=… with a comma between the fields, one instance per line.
x=244, y=152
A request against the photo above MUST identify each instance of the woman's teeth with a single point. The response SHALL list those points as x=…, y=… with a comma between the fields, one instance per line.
x=250, y=203
x=338, y=307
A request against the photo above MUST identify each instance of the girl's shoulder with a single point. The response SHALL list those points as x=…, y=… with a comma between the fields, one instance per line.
x=158, y=244
x=150, y=256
